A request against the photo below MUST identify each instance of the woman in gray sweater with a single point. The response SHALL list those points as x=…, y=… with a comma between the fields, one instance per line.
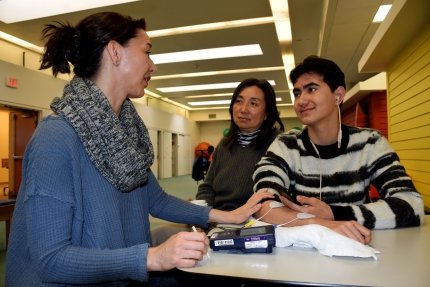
x=228, y=183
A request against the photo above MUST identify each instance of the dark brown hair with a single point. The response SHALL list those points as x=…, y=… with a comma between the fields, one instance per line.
x=268, y=125
x=82, y=46
x=331, y=73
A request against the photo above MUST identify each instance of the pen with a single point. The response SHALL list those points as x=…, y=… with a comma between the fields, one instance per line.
x=195, y=230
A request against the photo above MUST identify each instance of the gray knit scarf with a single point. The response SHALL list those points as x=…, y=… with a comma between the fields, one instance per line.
x=119, y=146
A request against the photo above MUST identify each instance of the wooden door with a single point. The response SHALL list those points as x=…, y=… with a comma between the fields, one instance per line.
x=22, y=125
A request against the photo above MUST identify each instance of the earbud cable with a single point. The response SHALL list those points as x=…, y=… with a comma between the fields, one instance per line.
x=339, y=134
x=319, y=166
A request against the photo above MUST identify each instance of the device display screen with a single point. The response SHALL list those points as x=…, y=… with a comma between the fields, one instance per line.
x=252, y=231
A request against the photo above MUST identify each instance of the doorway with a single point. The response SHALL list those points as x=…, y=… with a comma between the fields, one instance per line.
x=175, y=166
x=18, y=125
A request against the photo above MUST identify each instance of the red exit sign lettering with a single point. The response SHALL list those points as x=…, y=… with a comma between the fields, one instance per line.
x=12, y=82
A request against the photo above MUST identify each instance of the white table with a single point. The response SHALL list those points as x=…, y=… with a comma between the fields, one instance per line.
x=404, y=261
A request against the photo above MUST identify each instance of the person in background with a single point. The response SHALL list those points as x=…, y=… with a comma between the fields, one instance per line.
x=82, y=212
x=202, y=162
x=210, y=152
x=327, y=168
x=254, y=115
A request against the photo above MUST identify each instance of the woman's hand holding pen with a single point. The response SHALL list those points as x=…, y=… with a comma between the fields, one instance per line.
x=183, y=249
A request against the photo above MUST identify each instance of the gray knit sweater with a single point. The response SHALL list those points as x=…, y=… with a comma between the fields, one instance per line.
x=292, y=165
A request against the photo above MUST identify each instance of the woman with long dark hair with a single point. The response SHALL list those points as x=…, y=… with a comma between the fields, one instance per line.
x=254, y=124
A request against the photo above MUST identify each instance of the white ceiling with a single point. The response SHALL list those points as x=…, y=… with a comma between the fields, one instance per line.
x=336, y=29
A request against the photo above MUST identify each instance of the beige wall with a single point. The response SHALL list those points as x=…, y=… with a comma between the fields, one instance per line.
x=408, y=95
x=212, y=131
x=35, y=90
x=286, y=112
x=157, y=120
x=23, y=57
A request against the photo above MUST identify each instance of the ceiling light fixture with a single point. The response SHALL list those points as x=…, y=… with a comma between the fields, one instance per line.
x=152, y=94
x=288, y=60
x=281, y=14
x=207, y=96
x=282, y=20
x=210, y=27
x=167, y=100
x=22, y=10
x=215, y=73
x=210, y=103
x=381, y=13
x=205, y=54
x=211, y=108
x=218, y=102
x=203, y=87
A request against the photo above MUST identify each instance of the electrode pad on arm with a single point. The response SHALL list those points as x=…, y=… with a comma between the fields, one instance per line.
x=259, y=239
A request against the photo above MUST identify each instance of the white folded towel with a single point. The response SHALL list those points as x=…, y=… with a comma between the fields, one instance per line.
x=325, y=240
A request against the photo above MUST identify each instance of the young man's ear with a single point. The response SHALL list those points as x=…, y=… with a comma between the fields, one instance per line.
x=339, y=95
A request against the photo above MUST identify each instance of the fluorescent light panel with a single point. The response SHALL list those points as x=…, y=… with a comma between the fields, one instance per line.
x=381, y=13
x=206, y=96
x=214, y=73
x=288, y=60
x=218, y=102
x=281, y=15
x=210, y=103
x=22, y=10
x=203, y=87
x=148, y=92
x=210, y=27
x=205, y=54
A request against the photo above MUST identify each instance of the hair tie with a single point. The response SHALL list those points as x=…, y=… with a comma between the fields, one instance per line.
x=76, y=39
x=72, y=53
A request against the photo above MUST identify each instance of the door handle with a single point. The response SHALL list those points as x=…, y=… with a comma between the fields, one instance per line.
x=17, y=157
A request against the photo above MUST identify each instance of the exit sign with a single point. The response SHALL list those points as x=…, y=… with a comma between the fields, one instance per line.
x=12, y=82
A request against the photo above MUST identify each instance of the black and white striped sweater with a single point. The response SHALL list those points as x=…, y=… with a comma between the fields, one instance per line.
x=365, y=157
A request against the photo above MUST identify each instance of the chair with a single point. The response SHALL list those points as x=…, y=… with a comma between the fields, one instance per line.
x=6, y=211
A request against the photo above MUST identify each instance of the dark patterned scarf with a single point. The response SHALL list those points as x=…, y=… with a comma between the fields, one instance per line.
x=119, y=146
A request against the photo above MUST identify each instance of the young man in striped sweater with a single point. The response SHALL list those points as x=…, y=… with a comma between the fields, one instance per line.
x=327, y=168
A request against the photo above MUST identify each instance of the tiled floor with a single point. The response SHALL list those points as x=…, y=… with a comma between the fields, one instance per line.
x=182, y=186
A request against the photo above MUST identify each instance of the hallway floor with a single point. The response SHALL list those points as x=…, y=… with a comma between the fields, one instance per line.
x=181, y=186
